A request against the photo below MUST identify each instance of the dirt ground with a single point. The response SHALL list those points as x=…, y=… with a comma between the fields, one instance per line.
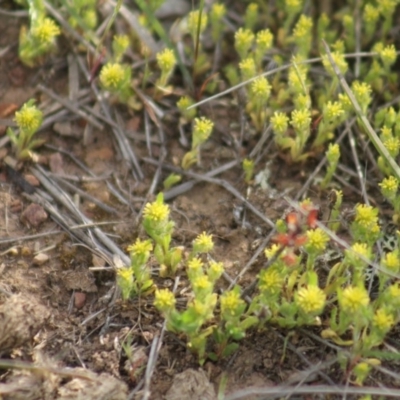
x=65, y=331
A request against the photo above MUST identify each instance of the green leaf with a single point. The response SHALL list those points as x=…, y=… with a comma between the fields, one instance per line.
x=230, y=349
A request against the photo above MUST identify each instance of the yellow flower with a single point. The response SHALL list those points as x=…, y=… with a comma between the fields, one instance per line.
x=303, y=27
x=45, y=31
x=392, y=145
x=279, y=122
x=125, y=274
x=356, y=251
x=333, y=153
x=215, y=270
x=271, y=281
x=195, y=264
x=362, y=92
x=371, y=13
x=156, y=211
x=338, y=59
x=194, y=20
x=293, y=5
x=301, y=119
x=333, y=111
x=29, y=117
x=383, y=320
x=311, y=299
x=264, y=40
x=317, y=240
x=120, y=45
x=389, y=187
x=201, y=131
x=164, y=300
x=271, y=251
x=166, y=60
x=353, y=299
x=218, y=11
x=366, y=215
x=394, y=291
x=391, y=261
x=90, y=19
x=112, y=75
x=140, y=247
x=247, y=68
x=202, y=283
x=203, y=243
x=260, y=89
x=183, y=104
x=243, y=41
x=230, y=301
x=296, y=78
x=388, y=55
x=345, y=101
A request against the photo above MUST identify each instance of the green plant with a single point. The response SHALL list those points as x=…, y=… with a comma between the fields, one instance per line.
x=202, y=128
x=39, y=39
x=29, y=119
x=136, y=279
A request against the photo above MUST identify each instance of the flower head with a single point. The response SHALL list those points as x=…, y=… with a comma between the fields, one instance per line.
x=156, y=211
x=203, y=243
x=112, y=76
x=45, y=30
x=279, y=122
x=383, y=320
x=260, y=89
x=201, y=131
x=353, y=299
x=183, y=104
x=338, y=59
x=301, y=120
x=166, y=60
x=231, y=303
x=392, y=145
x=29, y=117
x=271, y=281
x=140, y=247
x=120, y=45
x=244, y=39
x=371, y=13
x=389, y=187
x=333, y=153
x=303, y=27
x=388, y=55
x=202, y=283
x=264, y=39
x=362, y=92
x=164, y=300
x=333, y=111
x=196, y=18
x=247, y=68
x=195, y=264
x=310, y=299
x=317, y=240
x=215, y=270
x=391, y=261
x=218, y=11
x=366, y=216
x=356, y=255
x=271, y=251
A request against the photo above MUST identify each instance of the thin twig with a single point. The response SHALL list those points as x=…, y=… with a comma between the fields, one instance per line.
x=367, y=126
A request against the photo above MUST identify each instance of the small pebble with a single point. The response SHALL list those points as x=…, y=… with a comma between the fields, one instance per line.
x=34, y=215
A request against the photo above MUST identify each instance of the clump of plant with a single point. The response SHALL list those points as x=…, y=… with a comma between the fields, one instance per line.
x=29, y=119
x=40, y=38
x=289, y=292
